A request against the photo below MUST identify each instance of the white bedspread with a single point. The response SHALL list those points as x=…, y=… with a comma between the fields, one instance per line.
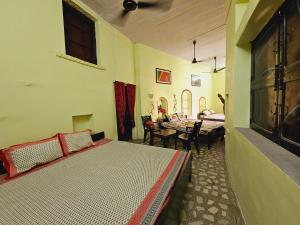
x=100, y=186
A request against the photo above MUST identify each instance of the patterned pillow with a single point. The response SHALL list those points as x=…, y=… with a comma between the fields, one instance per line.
x=72, y=142
x=21, y=158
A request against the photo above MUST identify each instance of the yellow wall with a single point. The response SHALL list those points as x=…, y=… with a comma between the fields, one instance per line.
x=148, y=59
x=40, y=92
x=267, y=196
x=218, y=87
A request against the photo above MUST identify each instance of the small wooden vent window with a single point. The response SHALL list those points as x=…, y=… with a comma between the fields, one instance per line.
x=80, y=40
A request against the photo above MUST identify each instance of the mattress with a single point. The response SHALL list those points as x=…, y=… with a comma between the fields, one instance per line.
x=206, y=127
x=115, y=183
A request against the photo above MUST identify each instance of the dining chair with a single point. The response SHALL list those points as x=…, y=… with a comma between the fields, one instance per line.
x=148, y=125
x=190, y=135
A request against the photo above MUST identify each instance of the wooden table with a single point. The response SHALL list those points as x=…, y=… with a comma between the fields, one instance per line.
x=208, y=131
x=164, y=134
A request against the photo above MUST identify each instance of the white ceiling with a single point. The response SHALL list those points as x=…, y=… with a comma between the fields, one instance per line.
x=173, y=31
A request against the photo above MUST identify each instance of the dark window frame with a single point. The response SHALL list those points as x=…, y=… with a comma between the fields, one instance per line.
x=276, y=79
x=80, y=44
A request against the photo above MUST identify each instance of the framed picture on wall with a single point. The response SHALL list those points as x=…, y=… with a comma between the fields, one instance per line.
x=195, y=80
x=163, y=76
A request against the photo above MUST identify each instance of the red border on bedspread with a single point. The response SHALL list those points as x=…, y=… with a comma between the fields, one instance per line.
x=97, y=144
x=142, y=210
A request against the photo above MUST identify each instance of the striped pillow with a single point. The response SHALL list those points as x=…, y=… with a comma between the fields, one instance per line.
x=72, y=142
x=21, y=158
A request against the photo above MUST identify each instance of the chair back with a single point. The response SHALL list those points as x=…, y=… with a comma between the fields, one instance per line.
x=196, y=129
x=145, y=119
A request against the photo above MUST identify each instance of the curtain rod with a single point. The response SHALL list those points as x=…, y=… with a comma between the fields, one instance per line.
x=123, y=82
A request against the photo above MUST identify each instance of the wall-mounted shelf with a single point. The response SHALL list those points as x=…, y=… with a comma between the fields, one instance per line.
x=82, y=122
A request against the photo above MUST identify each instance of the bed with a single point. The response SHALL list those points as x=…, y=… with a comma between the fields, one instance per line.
x=110, y=183
x=213, y=117
x=209, y=114
x=209, y=129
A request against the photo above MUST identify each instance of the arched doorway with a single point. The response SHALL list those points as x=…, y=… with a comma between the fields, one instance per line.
x=186, y=102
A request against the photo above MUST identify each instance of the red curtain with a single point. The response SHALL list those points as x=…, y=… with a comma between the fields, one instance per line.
x=121, y=104
x=131, y=102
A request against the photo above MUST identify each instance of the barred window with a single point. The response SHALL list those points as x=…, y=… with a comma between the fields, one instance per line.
x=275, y=79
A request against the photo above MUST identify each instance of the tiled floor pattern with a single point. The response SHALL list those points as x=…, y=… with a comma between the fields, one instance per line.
x=209, y=199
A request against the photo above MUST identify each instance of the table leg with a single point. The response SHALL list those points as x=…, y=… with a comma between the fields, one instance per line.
x=151, y=139
x=165, y=142
x=209, y=140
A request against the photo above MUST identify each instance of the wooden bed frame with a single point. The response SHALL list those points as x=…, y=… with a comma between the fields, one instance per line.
x=173, y=205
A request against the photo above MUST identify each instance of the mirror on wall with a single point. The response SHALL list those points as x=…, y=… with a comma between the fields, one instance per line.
x=202, y=104
x=164, y=104
x=186, y=102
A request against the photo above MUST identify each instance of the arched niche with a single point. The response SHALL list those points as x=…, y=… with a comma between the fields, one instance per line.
x=186, y=102
x=202, y=104
x=164, y=103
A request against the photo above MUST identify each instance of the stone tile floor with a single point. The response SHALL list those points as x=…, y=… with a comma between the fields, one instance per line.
x=209, y=199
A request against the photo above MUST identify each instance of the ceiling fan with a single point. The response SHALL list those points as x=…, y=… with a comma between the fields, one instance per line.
x=131, y=5
x=215, y=69
x=198, y=61
x=194, y=59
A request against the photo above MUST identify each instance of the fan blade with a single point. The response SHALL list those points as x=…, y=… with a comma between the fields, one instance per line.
x=202, y=60
x=124, y=13
x=218, y=70
x=199, y=61
x=121, y=19
x=207, y=59
x=143, y=5
x=164, y=5
x=207, y=72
